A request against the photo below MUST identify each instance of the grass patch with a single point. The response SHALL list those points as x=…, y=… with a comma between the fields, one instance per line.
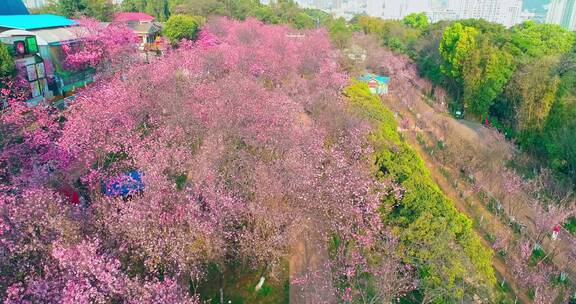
x=504, y=287
x=538, y=254
x=239, y=284
x=494, y=206
x=570, y=225
x=445, y=173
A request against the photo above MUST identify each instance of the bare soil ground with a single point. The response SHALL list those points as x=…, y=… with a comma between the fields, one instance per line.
x=310, y=273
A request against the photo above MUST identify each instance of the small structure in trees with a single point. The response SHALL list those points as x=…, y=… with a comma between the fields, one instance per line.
x=124, y=185
x=143, y=25
x=378, y=84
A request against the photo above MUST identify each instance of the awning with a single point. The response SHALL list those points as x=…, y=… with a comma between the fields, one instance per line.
x=53, y=36
x=31, y=22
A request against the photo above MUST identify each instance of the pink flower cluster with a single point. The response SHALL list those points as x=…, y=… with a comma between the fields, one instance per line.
x=98, y=45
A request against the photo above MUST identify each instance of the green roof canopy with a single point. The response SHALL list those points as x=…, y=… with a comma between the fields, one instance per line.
x=31, y=22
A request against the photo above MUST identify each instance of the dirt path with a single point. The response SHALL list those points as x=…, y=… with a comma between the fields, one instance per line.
x=310, y=274
x=491, y=153
x=502, y=271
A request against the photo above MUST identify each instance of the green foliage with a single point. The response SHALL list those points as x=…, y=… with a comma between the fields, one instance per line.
x=533, y=90
x=102, y=10
x=340, y=33
x=437, y=238
x=6, y=61
x=457, y=43
x=156, y=8
x=238, y=284
x=267, y=15
x=70, y=8
x=570, y=225
x=416, y=20
x=180, y=27
x=486, y=71
x=538, y=40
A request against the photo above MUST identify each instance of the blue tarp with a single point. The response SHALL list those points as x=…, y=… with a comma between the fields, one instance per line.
x=33, y=22
x=123, y=185
x=13, y=7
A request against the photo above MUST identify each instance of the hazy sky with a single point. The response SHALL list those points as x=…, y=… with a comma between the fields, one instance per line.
x=535, y=4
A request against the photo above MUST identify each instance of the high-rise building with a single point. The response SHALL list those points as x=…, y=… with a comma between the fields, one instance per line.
x=35, y=3
x=562, y=12
x=505, y=12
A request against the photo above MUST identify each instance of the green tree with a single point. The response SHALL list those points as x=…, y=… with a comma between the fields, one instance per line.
x=6, y=61
x=457, y=43
x=559, y=138
x=429, y=59
x=133, y=5
x=102, y=10
x=199, y=8
x=70, y=8
x=486, y=72
x=435, y=236
x=416, y=20
x=340, y=33
x=538, y=40
x=159, y=9
x=180, y=27
x=266, y=14
x=533, y=91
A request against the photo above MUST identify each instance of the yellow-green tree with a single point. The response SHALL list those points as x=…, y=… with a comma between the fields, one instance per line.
x=486, y=72
x=457, y=43
x=180, y=27
x=6, y=61
x=533, y=91
x=416, y=20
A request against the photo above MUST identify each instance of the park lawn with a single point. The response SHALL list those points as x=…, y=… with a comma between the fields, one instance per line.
x=239, y=287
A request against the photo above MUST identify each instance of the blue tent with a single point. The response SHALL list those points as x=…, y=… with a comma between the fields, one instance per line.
x=124, y=185
x=13, y=7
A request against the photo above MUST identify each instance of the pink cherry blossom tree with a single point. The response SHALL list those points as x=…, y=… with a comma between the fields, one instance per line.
x=99, y=45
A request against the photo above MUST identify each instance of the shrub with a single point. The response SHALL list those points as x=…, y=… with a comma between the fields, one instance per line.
x=180, y=27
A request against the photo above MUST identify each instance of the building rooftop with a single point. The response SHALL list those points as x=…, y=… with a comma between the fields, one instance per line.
x=145, y=28
x=378, y=78
x=131, y=16
x=31, y=22
x=13, y=7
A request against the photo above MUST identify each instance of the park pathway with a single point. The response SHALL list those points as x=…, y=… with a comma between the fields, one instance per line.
x=310, y=273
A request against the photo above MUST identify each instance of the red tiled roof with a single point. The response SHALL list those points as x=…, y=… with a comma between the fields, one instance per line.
x=125, y=17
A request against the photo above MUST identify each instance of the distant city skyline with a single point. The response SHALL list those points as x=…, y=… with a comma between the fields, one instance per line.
x=505, y=12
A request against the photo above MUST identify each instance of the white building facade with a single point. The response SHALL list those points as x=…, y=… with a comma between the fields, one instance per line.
x=505, y=12
x=35, y=3
x=562, y=12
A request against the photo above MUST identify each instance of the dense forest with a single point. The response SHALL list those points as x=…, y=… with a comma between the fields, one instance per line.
x=521, y=79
